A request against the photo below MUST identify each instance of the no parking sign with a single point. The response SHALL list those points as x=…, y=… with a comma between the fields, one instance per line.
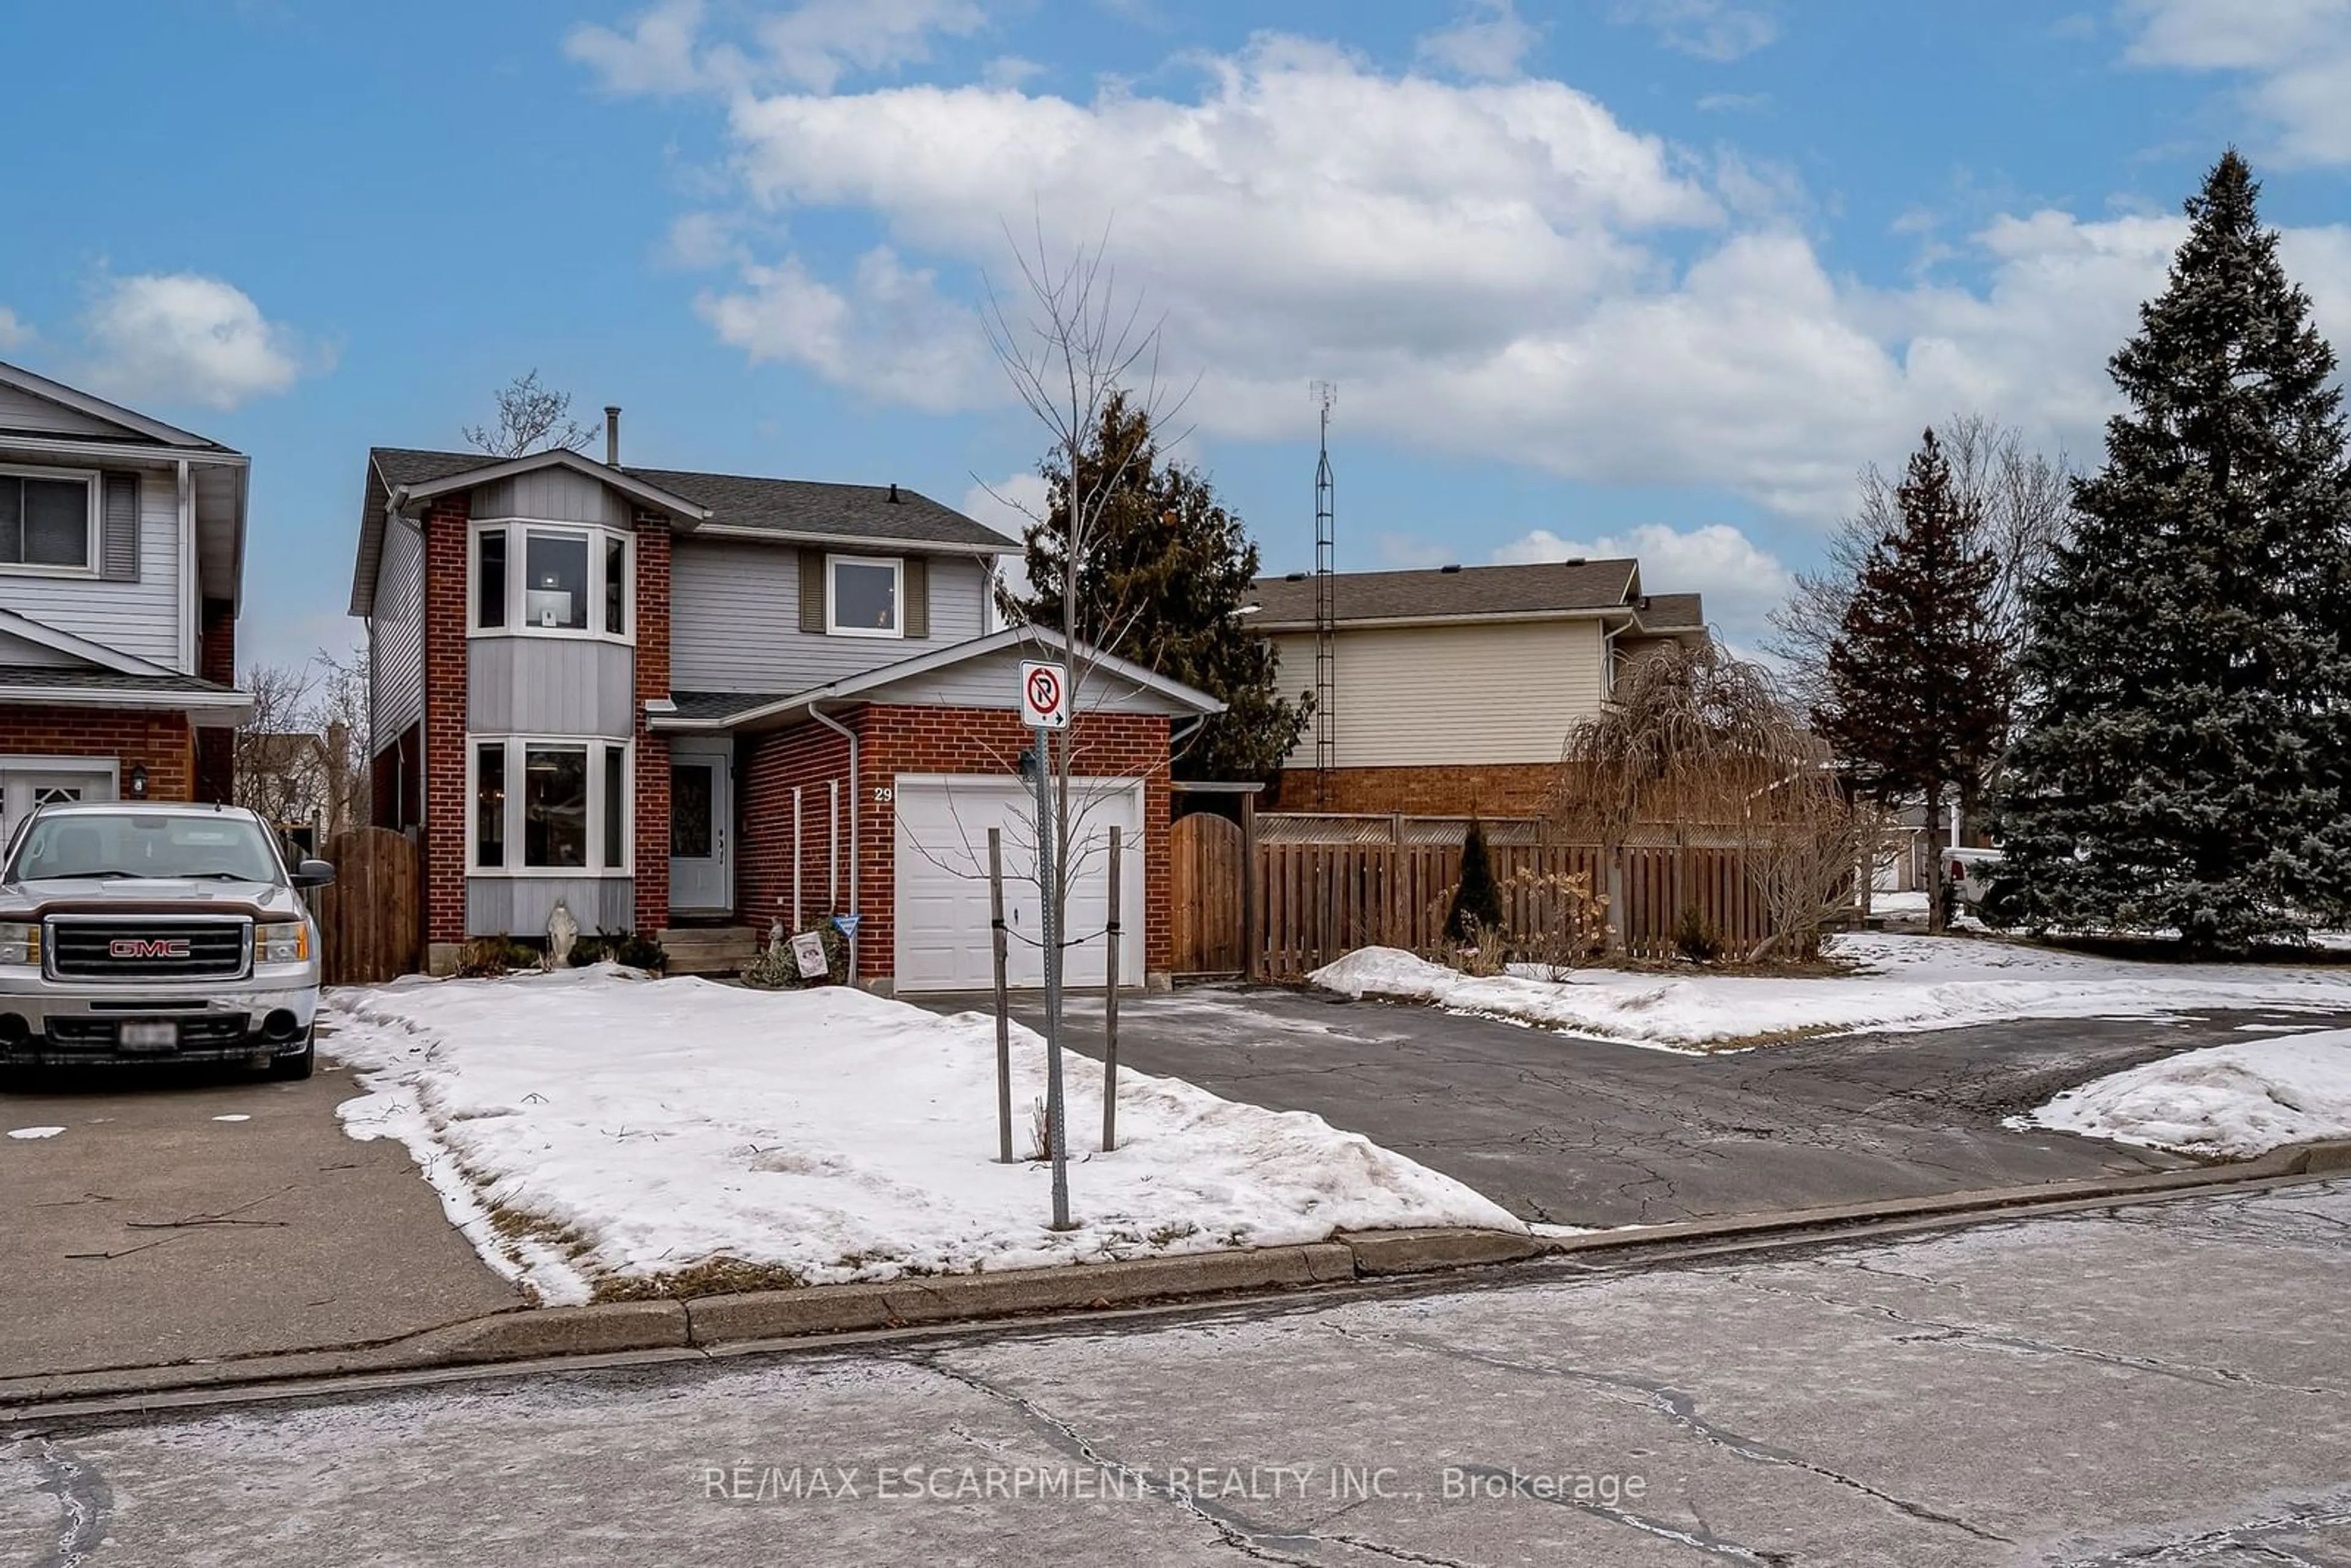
x=1044, y=695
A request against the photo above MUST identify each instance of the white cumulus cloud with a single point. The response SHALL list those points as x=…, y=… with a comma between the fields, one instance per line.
x=667, y=49
x=184, y=337
x=2295, y=56
x=1488, y=40
x=655, y=54
x=1491, y=270
x=14, y=331
x=1741, y=580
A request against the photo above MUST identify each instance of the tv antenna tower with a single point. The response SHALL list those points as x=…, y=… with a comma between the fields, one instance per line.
x=1326, y=651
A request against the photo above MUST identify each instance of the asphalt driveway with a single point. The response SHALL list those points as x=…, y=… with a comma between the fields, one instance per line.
x=1584, y=1132
x=187, y=1214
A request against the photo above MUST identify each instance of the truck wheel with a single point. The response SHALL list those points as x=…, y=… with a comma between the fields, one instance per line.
x=297, y=1067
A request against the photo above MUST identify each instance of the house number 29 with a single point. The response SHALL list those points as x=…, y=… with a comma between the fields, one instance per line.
x=883, y=794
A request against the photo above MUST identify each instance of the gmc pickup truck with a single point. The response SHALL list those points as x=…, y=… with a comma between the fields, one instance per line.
x=138, y=933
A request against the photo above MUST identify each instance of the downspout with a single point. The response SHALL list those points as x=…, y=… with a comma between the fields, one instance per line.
x=855, y=847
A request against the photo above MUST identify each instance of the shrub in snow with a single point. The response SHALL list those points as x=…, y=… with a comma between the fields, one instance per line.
x=486, y=957
x=1695, y=936
x=778, y=968
x=1477, y=901
x=632, y=949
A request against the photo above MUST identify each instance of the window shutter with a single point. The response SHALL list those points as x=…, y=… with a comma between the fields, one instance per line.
x=916, y=577
x=812, y=592
x=118, y=529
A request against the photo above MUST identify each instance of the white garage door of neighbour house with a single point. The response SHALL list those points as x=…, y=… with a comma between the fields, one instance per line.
x=942, y=881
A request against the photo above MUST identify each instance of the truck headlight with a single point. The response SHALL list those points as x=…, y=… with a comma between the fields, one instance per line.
x=281, y=942
x=20, y=942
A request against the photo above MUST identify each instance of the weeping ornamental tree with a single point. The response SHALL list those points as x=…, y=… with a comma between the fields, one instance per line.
x=1695, y=749
x=1162, y=583
x=2186, y=747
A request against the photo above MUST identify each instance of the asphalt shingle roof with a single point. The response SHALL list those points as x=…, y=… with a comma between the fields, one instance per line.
x=89, y=678
x=722, y=704
x=1472, y=590
x=787, y=507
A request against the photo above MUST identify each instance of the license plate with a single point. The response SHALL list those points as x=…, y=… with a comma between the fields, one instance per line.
x=150, y=1036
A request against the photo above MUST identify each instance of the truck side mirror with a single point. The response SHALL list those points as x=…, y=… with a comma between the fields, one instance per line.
x=313, y=874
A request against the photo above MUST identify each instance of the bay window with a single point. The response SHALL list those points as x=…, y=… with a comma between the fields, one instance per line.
x=550, y=804
x=550, y=580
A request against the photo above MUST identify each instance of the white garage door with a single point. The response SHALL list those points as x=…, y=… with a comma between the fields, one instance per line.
x=942, y=881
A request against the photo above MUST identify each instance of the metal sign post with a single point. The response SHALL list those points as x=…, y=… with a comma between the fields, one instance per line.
x=1049, y=936
x=1044, y=708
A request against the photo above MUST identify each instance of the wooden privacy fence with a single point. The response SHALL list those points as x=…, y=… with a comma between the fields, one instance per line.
x=1317, y=902
x=1206, y=898
x=371, y=917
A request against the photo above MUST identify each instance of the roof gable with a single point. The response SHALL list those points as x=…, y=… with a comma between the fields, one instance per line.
x=1482, y=591
x=33, y=403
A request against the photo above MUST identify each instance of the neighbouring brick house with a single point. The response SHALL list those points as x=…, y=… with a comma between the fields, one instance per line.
x=1455, y=688
x=121, y=550
x=705, y=704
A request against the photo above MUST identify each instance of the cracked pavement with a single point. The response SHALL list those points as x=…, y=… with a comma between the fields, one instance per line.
x=2163, y=1385
x=1574, y=1131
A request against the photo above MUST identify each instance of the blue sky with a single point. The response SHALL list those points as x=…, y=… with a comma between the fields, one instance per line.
x=1652, y=275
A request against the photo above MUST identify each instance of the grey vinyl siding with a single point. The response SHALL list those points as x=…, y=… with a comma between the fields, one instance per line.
x=396, y=634
x=550, y=685
x=734, y=619
x=551, y=494
x=38, y=655
x=996, y=683
x=142, y=618
x=519, y=905
x=21, y=410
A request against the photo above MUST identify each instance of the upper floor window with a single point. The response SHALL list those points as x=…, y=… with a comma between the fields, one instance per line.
x=861, y=596
x=551, y=580
x=49, y=520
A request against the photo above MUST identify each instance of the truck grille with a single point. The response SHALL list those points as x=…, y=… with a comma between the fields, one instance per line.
x=133, y=949
x=198, y=1031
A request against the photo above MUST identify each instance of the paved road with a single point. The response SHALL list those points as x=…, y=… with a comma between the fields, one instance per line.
x=1586, y=1132
x=197, y=1213
x=2164, y=1386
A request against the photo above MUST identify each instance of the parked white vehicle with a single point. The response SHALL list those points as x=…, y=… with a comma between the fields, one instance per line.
x=1970, y=872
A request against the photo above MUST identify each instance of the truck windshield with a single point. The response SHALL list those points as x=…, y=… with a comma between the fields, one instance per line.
x=143, y=844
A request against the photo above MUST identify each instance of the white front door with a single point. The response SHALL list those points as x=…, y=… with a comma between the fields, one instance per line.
x=27, y=782
x=701, y=819
x=941, y=881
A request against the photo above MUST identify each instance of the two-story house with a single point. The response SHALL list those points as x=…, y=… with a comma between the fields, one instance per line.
x=684, y=701
x=1453, y=688
x=122, y=552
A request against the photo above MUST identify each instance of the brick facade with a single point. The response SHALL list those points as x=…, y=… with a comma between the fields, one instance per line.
x=895, y=739
x=652, y=623
x=813, y=760
x=1461, y=789
x=217, y=662
x=163, y=743
x=444, y=720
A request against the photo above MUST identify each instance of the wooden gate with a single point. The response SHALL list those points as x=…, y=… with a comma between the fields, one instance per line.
x=371, y=917
x=1205, y=865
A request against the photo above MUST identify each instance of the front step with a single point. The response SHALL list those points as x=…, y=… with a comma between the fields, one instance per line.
x=708, y=949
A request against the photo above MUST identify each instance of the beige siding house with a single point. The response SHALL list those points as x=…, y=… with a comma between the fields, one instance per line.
x=1455, y=689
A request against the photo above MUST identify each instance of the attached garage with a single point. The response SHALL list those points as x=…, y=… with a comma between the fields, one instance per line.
x=942, y=892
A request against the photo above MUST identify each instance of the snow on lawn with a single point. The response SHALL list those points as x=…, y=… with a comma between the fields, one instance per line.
x=2234, y=1101
x=1902, y=983
x=593, y=1127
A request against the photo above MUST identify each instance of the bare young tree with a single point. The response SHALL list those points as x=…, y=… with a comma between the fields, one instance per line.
x=531, y=418
x=301, y=757
x=1071, y=345
x=2024, y=497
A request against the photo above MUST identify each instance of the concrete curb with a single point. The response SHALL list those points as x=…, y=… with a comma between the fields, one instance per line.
x=640, y=1332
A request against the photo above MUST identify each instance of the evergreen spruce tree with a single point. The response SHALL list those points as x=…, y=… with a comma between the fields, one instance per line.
x=1163, y=583
x=1919, y=683
x=2182, y=763
x=1477, y=901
